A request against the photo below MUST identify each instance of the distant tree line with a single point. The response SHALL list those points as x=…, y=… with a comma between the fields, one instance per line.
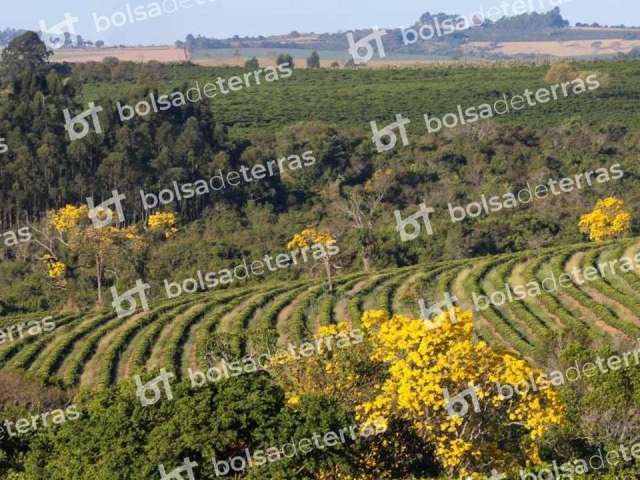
x=8, y=34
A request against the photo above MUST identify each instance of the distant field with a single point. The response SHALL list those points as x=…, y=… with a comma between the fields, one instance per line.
x=570, y=48
x=133, y=54
x=236, y=57
x=267, y=56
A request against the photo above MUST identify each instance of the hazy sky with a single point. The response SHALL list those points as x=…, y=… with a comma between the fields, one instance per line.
x=225, y=18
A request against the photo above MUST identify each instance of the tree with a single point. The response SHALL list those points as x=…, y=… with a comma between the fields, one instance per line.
x=285, y=58
x=607, y=220
x=309, y=238
x=99, y=43
x=163, y=222
x=26, y=52
x=314, y=60
x=100, y=245
x=361, y=204
x=561, y=72
x=429, y=372
x=252, y=64
x=242, y=413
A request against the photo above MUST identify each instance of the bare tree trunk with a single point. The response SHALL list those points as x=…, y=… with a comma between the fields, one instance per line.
x=327, y=267
x=365, y=262
x=99, y=279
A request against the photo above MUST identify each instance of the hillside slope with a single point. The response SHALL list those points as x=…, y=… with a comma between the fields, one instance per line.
x=96, y=349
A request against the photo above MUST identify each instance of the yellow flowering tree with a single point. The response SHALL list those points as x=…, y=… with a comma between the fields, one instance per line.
x=453, y=392
x=609, y=219
x=102, y=245
x=310, y=238
x=164, y=222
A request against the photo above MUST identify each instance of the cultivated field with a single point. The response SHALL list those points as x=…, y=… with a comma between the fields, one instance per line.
x=571, y=48
x=133, y=54
x=97, y=349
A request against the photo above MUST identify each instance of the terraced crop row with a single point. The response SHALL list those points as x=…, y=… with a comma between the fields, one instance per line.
x=96, y=348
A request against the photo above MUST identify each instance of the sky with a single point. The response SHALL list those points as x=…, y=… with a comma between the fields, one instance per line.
x=225, y=18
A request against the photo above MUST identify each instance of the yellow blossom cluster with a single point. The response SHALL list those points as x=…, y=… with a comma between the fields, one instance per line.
x=68, y=217
x=57, y=270
x=165, y=221
x=310, y=236
x=608, y=220
x=422, y=363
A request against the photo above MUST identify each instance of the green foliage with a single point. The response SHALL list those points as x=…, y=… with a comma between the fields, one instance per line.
x=117, y=438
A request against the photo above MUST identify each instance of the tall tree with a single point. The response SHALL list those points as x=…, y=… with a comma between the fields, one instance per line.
x=24, y=52
x=285, y=58
x=314, y=60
